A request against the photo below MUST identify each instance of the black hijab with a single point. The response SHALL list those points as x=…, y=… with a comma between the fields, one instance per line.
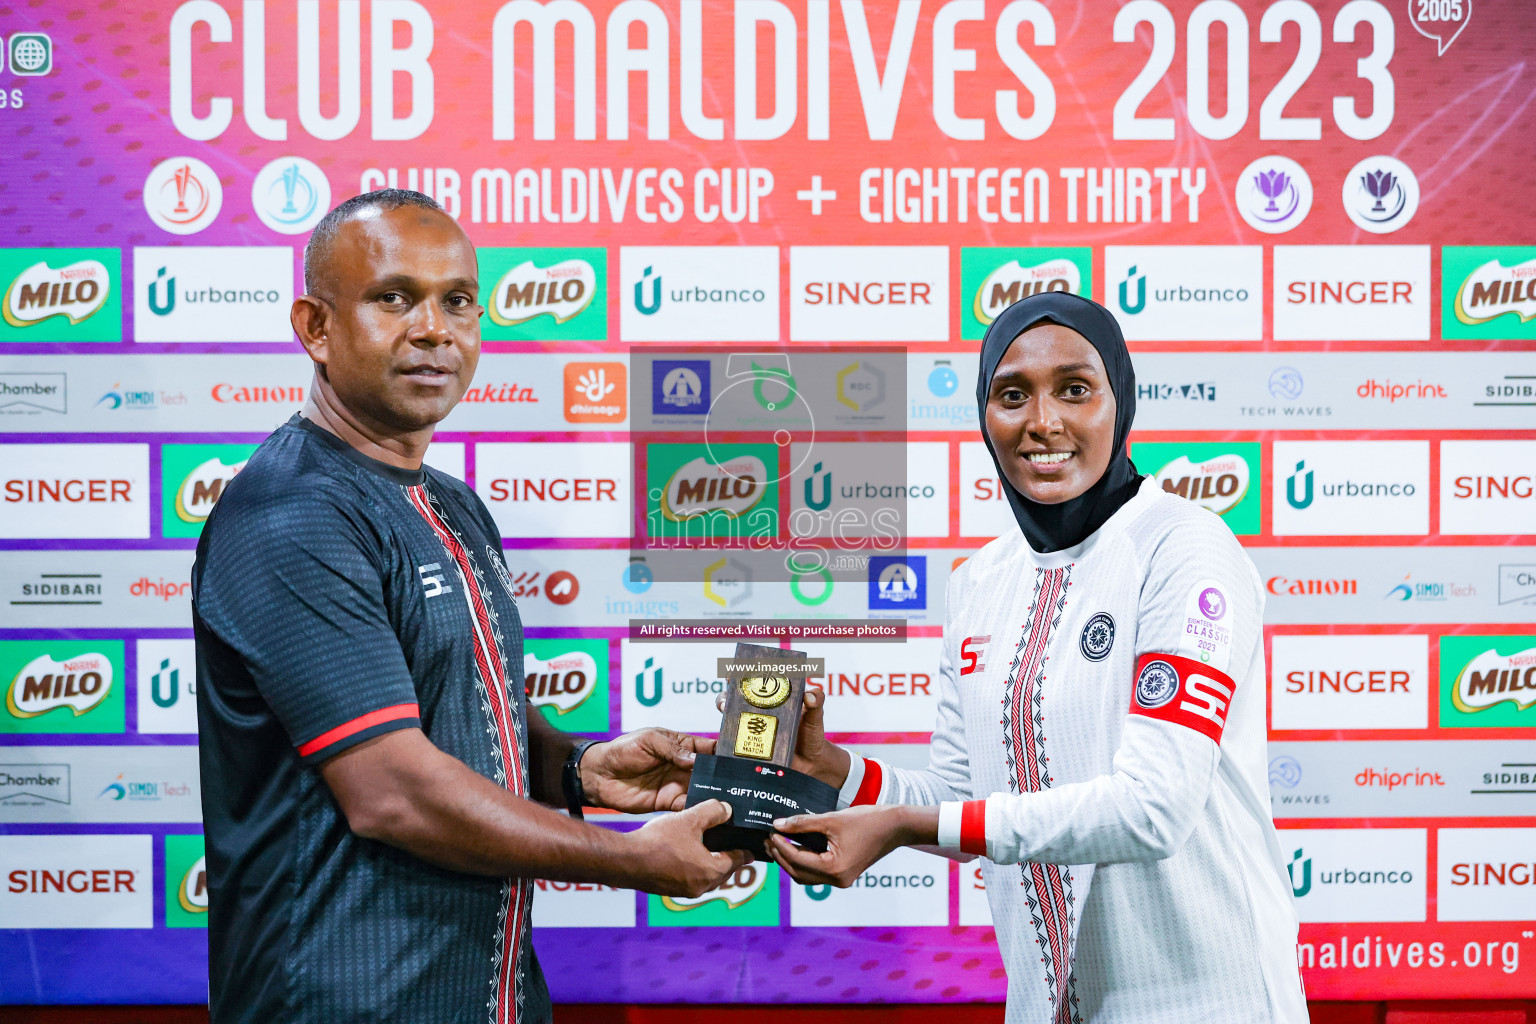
x=1068, y=523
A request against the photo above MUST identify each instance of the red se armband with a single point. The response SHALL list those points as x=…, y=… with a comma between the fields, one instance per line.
x=1182, y=691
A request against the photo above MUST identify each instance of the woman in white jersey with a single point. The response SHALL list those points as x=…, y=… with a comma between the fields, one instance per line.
x=1101, y=730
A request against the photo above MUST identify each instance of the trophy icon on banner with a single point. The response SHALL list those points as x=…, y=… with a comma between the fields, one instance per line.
x=1380, y=185
x=1273, y=185
x=750, y=769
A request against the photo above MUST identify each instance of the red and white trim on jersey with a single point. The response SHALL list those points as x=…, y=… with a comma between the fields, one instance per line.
x=506, y=1004
x=1186, y=692
x=1048, y=887
x=331, y=737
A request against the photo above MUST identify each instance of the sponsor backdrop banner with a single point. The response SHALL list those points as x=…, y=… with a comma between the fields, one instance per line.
x=1305, y=215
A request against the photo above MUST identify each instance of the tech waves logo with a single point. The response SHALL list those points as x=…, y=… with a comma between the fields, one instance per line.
x=1494, y=290
x=80, y=683
x=1492, y=678
x=561, y=291
x=76, y=292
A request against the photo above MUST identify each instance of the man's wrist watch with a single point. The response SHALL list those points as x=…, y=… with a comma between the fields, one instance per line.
x=570, y=779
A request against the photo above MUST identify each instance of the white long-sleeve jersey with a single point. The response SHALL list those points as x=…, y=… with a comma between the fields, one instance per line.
x=1101, y=741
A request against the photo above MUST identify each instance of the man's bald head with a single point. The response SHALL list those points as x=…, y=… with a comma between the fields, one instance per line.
x=322, y=243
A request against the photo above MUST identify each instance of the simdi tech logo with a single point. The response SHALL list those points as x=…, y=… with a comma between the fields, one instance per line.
x=61, y=295
x=1219, y=476
x=750, y=897
x=567, y=679
x=991, y=280
x=1488, y=292
x=544, y=294
x=192, y=479
x=186, y=882
x=1487, y=682
x=62, y=686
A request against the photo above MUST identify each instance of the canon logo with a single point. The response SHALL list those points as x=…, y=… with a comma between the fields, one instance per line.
x=74, y=491
x=242, y=393
x=1347, y=681
x=1523, y=873
x=1282, y=585
x=554, y=489
x=1493, y=487
x=42, y=880
x=878, y=684
x=1322, y=293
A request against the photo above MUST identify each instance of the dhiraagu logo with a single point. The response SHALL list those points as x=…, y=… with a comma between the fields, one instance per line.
x=62, y=686
x=991, y=280
x=1487, y=682
x=568, y=681
x=1217, y=476
x=192, y=479
x=186, y=882
x=750, y=897
x=61, y=295
x=544, y=294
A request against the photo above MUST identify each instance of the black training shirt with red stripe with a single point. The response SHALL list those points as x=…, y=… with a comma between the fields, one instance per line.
x=337, y=598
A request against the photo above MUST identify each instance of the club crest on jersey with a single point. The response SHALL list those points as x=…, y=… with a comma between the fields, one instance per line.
x=1098, y=637
x=500, y=569
x=1157, y=684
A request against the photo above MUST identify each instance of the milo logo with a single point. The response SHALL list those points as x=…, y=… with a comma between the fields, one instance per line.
x=1012, y=281
x=736, y=890
x=1493, y=290
x=74, y=292
x=699, y=487
x=560, y=291
x=1492, y=678
x=202, y=487
x=192, y=893
x=1218, y=484
x=563, y=682
x=79, y=683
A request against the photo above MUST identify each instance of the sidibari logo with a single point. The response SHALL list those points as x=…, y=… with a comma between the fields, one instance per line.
x=1011, y=282
x=1218, y=484
x=563, y=682
x=1492, y=290
x=75, y=292
x=736, y=890
x=1492, y=678
x=192, y=893
x=561, y=291
x=701, y=488
x=79, y=683
x=202, y=488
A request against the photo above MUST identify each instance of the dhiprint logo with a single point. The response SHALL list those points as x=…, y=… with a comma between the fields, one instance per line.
x=433, y=582
x=1186, y=292
x=1274, y=194
x=699, y=293
x=680, y=387
x=545, y=294
x=1351, y=488
x=1353, y=293
x=291, y=195
x=212, y=293
x=1381, y=194
x=183, y=195
x=1488, y=292
x=991, y=280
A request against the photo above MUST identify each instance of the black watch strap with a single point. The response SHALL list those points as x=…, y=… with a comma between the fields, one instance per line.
x=570, y=779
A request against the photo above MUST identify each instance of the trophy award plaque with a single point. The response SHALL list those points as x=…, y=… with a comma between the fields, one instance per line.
x=750, y=767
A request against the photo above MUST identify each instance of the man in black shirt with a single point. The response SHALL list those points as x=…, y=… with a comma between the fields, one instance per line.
x=372, y=777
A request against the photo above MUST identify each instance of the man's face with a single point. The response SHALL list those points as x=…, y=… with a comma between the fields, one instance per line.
x=403, y=339
x=1051, y=414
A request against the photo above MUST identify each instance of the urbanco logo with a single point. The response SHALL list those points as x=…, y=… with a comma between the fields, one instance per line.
x=1186, y=292
x=1357, y=874
x=699, y=293
x=167, y=687
x=61, y=295
x=1351, y=488
x=212, y=293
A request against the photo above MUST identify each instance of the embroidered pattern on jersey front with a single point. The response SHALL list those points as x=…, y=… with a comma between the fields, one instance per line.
x=1047, y=887
x=506, y=1002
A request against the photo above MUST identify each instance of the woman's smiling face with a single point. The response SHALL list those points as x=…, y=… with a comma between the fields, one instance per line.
x=1051, y=414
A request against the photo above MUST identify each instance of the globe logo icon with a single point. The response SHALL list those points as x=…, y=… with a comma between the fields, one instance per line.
x=31, y=54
